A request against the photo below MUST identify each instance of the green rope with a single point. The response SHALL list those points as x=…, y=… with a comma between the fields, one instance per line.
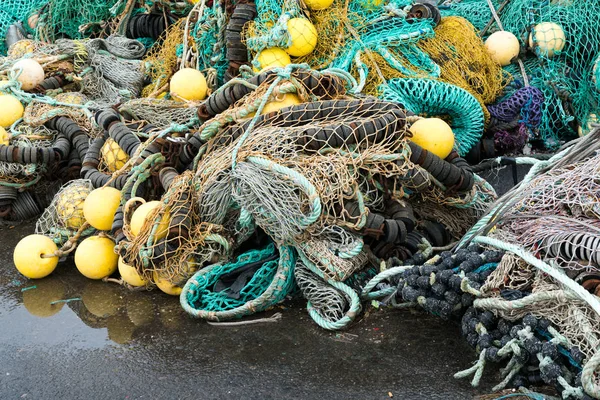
x=351, y=314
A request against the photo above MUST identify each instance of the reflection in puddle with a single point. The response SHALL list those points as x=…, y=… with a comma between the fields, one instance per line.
x=103, y=305
x=102, y=300
x=40, y=298
x=140, y=309
x=120, y=329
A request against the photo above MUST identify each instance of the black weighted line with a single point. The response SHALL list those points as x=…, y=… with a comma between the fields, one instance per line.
x=124, y=137
x=459, y=175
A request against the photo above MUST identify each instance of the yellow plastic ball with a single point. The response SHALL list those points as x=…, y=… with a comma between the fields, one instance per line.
x=100, y=206
x=130, y=274
x=69, y=205
x=503, y=47
x=272, y=58
x=303, y=35
x=434, y=135
x=31, y=75
x=549, y=38
x=4, y=137
x=188, y=84
x=101, y=299
x=38, y=300
x=95, y=257
x=166, y=286
x=28, y=259
x=318, y=4
x=287, y=100
x=141, y=214
x=12, y=110
x=113, y=156
x=587, y=128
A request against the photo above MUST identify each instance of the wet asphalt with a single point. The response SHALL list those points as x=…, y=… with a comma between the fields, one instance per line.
x=110, y=343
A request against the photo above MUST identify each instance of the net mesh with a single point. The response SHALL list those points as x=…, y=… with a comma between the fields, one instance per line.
x=61, y=220
x=565, y=75
x=172, y=243
x=160, y=62
x=556, y=218
x=158, y=112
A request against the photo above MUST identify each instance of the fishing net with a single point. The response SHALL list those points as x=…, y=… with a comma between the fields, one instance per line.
x=328, y=302
x=464, y=60
x=450, y=51
x=160, y=62
x=565, y=77
x=26, y=136
x=320, y=183
x=116, y=73
x=15, y=11
x=61, y=220
x=337, y=252
x=172, y=243
x=558, y=215
x=206, y=50
x=71, y=105
x=71, y=19
x=430, y=98
x=158, y=112
x=255, y=281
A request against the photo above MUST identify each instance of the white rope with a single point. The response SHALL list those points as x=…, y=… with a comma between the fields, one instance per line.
x=495, y=14
x=558, y=275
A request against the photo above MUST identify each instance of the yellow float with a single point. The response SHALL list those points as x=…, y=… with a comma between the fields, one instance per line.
x=100, y=206
x=503, y=47
x=434, y=135
x=34, y=256
x=12, y=110
x=188, y=84
x=318, y=4
x=276, y=104
x=95, y=257
x=113, y=156
x=141, y=214
x=272, y=58
x=30, y=73
x=303, y=37
x=69, y=205
x=130, y=274
x=549, y=38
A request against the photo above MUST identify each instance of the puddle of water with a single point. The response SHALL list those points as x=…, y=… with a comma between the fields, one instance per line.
x=65, y=305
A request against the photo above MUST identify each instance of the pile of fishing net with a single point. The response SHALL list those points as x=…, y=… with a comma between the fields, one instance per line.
x=236, y=154
x=524, y=280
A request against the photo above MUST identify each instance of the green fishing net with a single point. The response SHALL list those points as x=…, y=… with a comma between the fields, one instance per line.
x=567, y=78
x=12, y=11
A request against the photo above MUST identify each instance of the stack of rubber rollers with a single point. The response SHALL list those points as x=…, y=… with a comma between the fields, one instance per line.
x=237, y=54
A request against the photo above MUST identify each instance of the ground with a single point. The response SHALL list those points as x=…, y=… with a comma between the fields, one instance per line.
x=116, y=344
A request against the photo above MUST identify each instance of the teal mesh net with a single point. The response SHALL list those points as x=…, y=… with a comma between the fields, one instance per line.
x=206, y=34
x=432, y=98
x=269, y=279
x=567, y=77
x=12, y=11
x=74, y=19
